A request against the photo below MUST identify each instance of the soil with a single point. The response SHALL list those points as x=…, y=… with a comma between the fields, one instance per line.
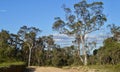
x=54, y=69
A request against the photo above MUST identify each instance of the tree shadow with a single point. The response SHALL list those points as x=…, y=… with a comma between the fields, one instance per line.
x=30, y=70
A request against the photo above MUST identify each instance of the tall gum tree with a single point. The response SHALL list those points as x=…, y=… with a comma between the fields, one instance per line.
x=85, y=18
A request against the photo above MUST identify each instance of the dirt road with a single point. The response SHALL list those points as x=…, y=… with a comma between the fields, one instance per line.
x=53, y=69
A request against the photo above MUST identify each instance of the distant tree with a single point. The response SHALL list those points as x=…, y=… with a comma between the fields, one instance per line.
x=86, y=18
x=4, y=37
x=16, y=44
x=115, y=30
x=28, y=35
x=49, y=43
x=6, y=51
x=38, y=56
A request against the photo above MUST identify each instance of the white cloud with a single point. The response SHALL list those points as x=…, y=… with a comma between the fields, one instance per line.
x=62, y=37
x=65, y=40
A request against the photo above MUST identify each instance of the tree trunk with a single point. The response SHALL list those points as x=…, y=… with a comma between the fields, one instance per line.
x=85, y=60
x=84, y=49
x=29, y=58
x=79, y=52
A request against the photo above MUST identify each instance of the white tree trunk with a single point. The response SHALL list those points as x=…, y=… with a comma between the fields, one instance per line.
x=85, y=59
x=84, y=49
x=79, y=53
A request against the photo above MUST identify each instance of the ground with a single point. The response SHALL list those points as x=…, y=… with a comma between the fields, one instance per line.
x=54, y=69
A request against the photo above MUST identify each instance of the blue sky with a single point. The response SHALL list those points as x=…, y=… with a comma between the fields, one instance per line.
x=40, y=13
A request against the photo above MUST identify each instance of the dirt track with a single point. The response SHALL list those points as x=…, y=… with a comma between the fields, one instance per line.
x=53, y=69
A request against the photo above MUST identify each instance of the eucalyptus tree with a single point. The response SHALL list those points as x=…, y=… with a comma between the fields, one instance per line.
x=15, y=44
x=4, y=37
x=48, y=42
x=38, y=56
x=49, y=45
x=29, y=36
x=85, y=18
x=6, y=50
x=4, y=46
x=114, y=29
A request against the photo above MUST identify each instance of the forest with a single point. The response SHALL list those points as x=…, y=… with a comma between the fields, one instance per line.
x=34, y=50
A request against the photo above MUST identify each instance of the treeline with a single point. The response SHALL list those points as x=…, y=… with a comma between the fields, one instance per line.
x=44, y=51
x=14, y=47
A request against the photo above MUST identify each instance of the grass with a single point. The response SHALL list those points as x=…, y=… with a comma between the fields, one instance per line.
x=106, y=68
x=7, y=64
x=96, y=68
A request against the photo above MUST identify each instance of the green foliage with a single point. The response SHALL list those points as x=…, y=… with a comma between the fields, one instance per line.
x=77, y=61
x=109, y=53
x=59, y=57
x=6, y=51
x=7, y=64
x=44, y=53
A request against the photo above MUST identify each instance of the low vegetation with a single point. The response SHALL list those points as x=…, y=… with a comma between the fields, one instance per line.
x=8, y=64
x=105, y=68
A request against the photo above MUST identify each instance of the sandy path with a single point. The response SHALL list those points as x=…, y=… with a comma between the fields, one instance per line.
x=53, y=69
